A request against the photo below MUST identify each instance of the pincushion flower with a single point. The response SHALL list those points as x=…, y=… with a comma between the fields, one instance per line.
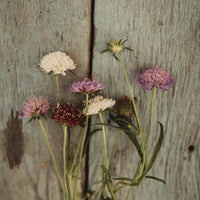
x=123, y=106
x=86, y=86
x=57, y=62
x=116, y=47
x=69, y=115
x=148, y=78
x=99, y=104
x=35, y=107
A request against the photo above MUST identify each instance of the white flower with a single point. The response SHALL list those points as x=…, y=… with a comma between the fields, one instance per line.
x=99, y=104
x=58, y=62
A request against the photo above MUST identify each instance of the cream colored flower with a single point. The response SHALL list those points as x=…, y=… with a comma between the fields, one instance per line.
x=58, y=62
x=99, y=104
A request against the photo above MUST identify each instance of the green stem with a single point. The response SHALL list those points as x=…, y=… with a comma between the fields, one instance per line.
x=143, y=159
x=104, y=138
x=113, y=150
x=105, y=151
x=128, y=194
x=150, y=119
x=64, y=155
x=82, y=147
x=58, y=90
x=52, y=156
x=131, y=93
x=76, y=155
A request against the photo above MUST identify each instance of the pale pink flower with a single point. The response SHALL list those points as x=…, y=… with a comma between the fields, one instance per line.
x=35, y=107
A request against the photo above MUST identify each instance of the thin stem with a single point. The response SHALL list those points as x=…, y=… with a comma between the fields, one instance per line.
x=137, y=170
x=143, y=159
x=150, y=119
x=104, y=138
x=131, y=93
x=52, y=156
x=113, y=150
x=58, y=90
x=76, y=155
x=128, y=194
x=82, y=146
x=64, y=155
x=105, y=151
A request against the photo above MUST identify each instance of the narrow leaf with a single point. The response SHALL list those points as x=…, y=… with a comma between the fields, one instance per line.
x=155, y=178
x=155, y=152
x=105, y=50
x=132, y=136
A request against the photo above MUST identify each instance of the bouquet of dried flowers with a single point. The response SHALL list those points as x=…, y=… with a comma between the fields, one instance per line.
x=123, y=113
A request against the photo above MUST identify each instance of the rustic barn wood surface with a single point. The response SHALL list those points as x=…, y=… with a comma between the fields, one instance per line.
x=163, y=33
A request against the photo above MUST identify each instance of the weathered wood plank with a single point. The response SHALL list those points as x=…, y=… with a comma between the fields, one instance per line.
x=166, y=33
x=28, y=31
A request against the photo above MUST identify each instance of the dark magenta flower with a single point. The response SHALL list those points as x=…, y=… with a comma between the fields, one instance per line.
x=35, y=107
x=86, y=86
x=68, y=114
x=148, y=78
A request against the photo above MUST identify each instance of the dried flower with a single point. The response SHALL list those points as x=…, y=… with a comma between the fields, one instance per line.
x=86, y=86
x=58, y=62
x=148, y=78
x=116, y=47
x=68, y=114
x=123, y=106
x=99, y=104
x=34, y=108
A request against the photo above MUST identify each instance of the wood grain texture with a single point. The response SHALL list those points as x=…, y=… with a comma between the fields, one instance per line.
x=28, y=31
x=165, y=33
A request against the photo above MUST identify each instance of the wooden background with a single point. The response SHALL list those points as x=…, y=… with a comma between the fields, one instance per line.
x=161, y=32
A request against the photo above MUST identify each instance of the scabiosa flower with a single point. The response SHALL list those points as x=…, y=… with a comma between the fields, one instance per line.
x=123, y=106
x=34, y=108
x=99, y=104
x=116, y=47
x=57, y=62
x=148, y=78
x=86, y=86
x=68, y=114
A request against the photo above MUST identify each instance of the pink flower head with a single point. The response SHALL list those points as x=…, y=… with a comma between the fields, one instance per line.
x=35, y=107
x=155, y=77
x=86, y=86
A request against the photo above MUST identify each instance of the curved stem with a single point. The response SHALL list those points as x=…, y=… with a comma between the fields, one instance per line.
x=82, y=146
x=150, y=119
x=52, y=156
x=113, y=150
x=131, y=93
x=58, y=90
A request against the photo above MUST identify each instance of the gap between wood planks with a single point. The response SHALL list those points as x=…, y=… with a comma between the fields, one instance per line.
x=89, y=74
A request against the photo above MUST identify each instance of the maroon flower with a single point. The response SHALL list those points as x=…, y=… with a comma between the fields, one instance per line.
x=35, y=107
x=155, y=77
x=68, y=114
x=86, y=86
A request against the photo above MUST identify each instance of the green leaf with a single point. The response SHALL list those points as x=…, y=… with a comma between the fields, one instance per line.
x=115, y=57
x=89, y=138
x=124, y=41
x=155, y=152
x=105, y=50
x=129, y=133
x=128, y=48
x=123, y=179
x=155, y=178
x=112, y=126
